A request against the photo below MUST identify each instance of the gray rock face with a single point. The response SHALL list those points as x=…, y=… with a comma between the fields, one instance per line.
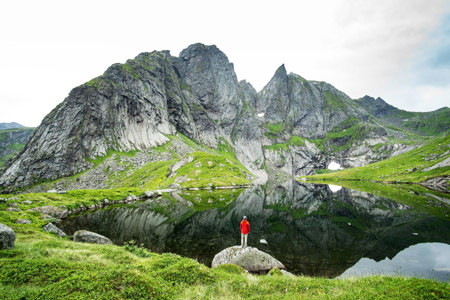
x=52, y=228
x=250, y=259
x=85, y=236
x=7, y=237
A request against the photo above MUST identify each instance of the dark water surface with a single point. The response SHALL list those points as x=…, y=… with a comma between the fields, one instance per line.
x=312, y=229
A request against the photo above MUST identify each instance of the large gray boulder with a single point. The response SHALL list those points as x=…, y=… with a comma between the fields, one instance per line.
x=249, y=258
x=52, y=228
x=85, y=236
x=7, y=237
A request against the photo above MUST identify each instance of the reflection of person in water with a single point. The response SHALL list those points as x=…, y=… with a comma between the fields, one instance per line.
x=245, y=229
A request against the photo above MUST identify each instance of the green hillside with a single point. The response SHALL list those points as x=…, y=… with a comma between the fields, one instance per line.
x=423, y=123
x=425, y=162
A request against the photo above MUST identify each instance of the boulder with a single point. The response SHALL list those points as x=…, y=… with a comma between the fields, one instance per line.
x=249, y=258
x=51, y=211
x=7, y=237
x=13, y=209
x=52, y=228
x=174, y=186
x=22, y=221
x=85, y=236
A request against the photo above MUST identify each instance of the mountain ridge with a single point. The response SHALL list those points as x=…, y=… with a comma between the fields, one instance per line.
x=291, y=127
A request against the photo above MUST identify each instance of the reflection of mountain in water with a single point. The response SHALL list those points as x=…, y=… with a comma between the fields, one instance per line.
x=310, y=229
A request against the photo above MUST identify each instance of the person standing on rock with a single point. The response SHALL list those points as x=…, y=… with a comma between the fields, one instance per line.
x=245, y=229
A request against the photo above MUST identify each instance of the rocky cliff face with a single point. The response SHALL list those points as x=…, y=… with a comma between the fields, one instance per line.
x=292, y=127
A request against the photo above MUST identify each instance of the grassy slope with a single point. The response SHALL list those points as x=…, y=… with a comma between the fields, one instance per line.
x=209, y=167
x=406, y=167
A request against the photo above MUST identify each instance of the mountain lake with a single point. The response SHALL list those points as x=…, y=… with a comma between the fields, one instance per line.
x=313, y=229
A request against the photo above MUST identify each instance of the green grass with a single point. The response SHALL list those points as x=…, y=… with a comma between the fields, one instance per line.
x=273, y=130
x=293, y=141
x=406, y=167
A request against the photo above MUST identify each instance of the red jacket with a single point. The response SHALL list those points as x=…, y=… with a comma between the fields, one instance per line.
x=245, y=227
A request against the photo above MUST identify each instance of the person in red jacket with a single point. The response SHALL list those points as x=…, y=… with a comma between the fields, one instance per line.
x=245, y=229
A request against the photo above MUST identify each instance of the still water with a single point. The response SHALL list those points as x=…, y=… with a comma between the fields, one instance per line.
x=312, y=229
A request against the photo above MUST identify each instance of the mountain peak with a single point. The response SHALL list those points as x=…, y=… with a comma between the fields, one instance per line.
x=11, y=125
x=199, y=49
x=281, y=71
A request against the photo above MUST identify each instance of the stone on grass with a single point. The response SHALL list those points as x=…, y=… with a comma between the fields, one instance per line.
x=27, y=202
x=174, y=186
x=52, y=211
x=52, y=228
x=85, y=236
x=249, y=258
x=7, y=237
x=14, y=209
x=22, y=221
x=12, y=204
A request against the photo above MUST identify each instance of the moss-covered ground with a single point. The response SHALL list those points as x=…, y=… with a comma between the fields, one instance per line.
x=44, y=266
x=407, y=167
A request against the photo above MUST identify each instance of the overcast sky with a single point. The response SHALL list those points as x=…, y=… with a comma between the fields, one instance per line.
x=397, y=50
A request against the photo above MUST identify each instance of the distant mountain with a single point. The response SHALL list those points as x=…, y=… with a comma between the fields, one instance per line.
x=423, y=123
x=4, y=126
x=12, y=141
x=177, y=111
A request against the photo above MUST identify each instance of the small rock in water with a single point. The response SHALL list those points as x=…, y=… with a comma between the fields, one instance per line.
x=349, y=224
x=415, y=233
x=263, y=241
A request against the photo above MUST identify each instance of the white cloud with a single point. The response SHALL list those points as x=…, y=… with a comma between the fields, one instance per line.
x=49, y=47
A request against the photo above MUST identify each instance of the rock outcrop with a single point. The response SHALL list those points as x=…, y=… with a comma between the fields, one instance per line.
x=249, y=258
x=49, y=210
x=7, y=237
x=85, y=236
